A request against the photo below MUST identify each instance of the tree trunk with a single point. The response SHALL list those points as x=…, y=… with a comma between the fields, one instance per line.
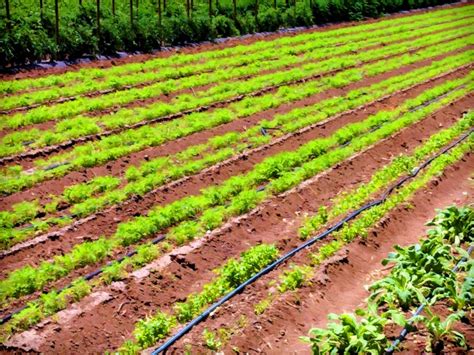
x=131, y=13
x=113, y=7
x=256, y=12
x=7, y=10
x=98, y=21
x=56, y=13
x=159, y=12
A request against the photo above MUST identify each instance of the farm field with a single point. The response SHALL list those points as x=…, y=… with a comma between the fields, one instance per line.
x=272, y=176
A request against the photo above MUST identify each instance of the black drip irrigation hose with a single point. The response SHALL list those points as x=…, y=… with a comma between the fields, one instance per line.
x=418, y=311
x=264, y=132
x=30, y=225
x=55, y=165
x=87, y=277
x=429, y=102
x=259, y=189
x=239, y=289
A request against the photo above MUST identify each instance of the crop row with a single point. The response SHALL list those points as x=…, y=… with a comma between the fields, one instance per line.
x=12, y=226
x=53, y=301
x=88, y=76
x=154, y=328
x=70, y=120
x=296, y=276
x=82, y=126
x=154, y=173
x=346, y=202
x=191, y=216
x=113, y=147
x=422, y=273
x=196, y=70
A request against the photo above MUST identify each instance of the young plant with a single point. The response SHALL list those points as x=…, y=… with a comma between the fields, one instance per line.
x=347, y=335
x=211, y=340
x=148, y=331
x=294, y=278
x=456, y=225
x=442, y=331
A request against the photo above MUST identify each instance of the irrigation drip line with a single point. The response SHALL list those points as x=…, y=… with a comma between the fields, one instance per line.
x=429, y=102
x=290, y=254
x=30, y=225
x=27, y=143
x=259, y=189
x=146, y=83
x=264, y=132
x=240, y=97
x=55, y=165
x=87, y=277
x=418, y=311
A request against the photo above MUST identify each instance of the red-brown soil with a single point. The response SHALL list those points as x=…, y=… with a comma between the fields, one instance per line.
x=274, y=221
x=340, y=283
x=105, y=223
x=231, y=42
x=417, y=341
x=105, y=319
x=27, y=158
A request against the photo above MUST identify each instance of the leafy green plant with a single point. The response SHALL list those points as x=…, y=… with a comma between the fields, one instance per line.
x=441, y=331
x=346, y=335
x=399, y=290
x=211, y=340
x=262, y=306
x=456, y=225
x=294, y=278
x=114, y=272
x=325, y=252
x=148, y=331
x=28, y=317
x=81, y=192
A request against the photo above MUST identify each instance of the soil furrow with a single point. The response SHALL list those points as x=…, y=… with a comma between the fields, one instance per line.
x=339, y=284
x=119, y=166
x=105, y=222
x=210, y=46
x=268, y=223
x=45, y=151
